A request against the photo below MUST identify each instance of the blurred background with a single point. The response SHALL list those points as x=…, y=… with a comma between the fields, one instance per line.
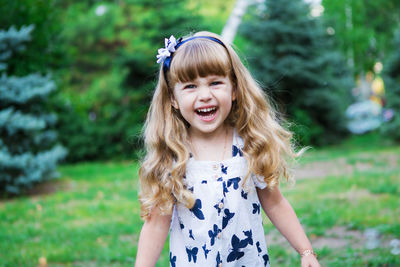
x=76, y=81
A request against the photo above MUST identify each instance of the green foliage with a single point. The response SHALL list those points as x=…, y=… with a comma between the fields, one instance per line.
x=41, y=53
x=103, y=57
x=363, y=29
x=216, y=13
x=290, y=53
x=112, y=49
x=27, y=151
x=304, y=127
x=392, y=85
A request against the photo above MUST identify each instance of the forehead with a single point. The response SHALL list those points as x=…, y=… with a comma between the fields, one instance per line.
x=199, y=58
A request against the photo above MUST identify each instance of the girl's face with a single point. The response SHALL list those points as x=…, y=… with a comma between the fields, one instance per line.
x=205, y=102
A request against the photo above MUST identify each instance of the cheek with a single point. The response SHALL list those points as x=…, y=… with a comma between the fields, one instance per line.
x=186, y=107
x=230, y=105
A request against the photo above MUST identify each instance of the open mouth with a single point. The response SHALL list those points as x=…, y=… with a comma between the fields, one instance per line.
x=206, y=113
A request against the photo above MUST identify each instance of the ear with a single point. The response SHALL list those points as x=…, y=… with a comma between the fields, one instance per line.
x=234, y=93
x=174, y=102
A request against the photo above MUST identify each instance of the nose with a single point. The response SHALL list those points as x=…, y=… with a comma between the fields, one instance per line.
x=204, y=93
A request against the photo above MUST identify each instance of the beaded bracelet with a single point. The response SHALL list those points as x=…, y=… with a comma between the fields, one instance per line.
x=308, y=252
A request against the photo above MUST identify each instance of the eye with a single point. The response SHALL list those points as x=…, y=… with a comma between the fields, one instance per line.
x=189, y=86
x=216, y=83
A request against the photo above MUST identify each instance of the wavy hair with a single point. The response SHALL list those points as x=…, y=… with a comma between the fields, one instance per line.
x=267, y=145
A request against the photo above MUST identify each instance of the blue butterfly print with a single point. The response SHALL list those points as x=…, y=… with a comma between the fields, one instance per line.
x=218, y=259
x=225, y=188
x=191, y=189
x=244, y=194
x=204, y=181
x=219, y=179
x=256, y=208
x=192, y=254
x=191, y=234
x=234, y=182
x=172, y=260
x=213, y=234
x=217, y=206
x=181, y=225
x=266, y=259
x=224, y=169
x=236, y=150
x=205, y=250
x=236, y=253
x=228, y=215
x=196, y=210
x=258, y=247
x=249, y=238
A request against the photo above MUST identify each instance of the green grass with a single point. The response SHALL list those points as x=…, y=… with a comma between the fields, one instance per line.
x=92, y=220
x=90, y=216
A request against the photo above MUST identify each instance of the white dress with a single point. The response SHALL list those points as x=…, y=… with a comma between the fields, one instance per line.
x=224, y=228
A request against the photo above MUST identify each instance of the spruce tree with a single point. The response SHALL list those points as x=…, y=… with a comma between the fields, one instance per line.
x=293, y=57
x=28, y=154
x=392, y=85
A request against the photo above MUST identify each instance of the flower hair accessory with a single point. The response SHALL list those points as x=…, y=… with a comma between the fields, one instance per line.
x=165, y=54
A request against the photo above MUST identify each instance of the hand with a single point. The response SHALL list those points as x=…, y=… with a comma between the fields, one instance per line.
x=309, y=261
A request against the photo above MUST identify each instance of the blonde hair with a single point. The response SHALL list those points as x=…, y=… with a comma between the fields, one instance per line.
x=267, y=145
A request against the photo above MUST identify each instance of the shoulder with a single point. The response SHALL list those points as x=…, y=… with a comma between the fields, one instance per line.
x=237, y=139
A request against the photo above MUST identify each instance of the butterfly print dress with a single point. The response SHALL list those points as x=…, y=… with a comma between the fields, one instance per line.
x=224, y=227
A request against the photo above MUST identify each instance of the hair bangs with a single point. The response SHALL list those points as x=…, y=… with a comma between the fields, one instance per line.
x=199, y=58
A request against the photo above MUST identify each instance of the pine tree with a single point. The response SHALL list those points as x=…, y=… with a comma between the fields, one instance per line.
x=392, y=85
x=27, y=151
x=291, y=54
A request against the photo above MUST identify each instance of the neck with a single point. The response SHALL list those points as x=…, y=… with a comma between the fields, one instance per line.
x=217, y=135
x=211, y=146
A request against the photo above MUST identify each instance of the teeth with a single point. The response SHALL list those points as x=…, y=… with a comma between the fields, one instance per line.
x=206, y=109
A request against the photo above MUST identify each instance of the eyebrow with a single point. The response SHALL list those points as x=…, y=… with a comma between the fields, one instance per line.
x=209, y=78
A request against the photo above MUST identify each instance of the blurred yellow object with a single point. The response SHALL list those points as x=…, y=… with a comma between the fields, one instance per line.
x=378, y=67
x=378, y=87
x=376, y=99
x=42, y=262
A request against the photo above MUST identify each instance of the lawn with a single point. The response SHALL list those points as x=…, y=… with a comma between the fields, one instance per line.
x=90, y=216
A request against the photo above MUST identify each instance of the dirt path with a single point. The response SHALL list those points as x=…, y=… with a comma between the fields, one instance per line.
x=337, y=237
x=342, y=166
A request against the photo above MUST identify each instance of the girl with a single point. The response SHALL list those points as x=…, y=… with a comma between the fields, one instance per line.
x=215, y=153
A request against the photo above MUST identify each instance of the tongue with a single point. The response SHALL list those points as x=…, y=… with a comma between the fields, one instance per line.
x=208, y=113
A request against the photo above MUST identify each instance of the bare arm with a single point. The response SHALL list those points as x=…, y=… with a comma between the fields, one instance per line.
x=152, y=238
x=282, y=215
